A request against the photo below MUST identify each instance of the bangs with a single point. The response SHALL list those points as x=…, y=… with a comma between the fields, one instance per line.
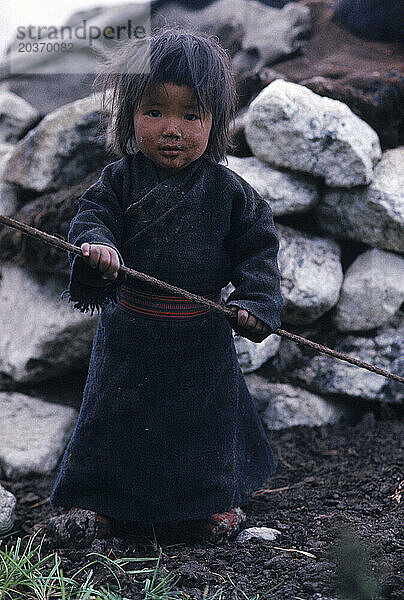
x=172, y=56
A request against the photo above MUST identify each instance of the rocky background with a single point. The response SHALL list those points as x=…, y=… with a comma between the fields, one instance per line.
x=319, y=136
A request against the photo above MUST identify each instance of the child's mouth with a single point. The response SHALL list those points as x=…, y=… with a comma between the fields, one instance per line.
x=170, y=150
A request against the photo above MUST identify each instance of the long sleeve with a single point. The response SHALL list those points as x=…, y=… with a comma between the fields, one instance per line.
x=253, y=245
x=99, y=220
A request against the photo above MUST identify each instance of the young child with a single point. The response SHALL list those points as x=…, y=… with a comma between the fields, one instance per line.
x=167, y=430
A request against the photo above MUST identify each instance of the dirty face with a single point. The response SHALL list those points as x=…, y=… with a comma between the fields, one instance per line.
x=169, y=130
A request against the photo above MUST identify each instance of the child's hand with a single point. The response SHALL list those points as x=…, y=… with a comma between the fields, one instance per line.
x=246, y=319
x=254, y=329
x=103, y=258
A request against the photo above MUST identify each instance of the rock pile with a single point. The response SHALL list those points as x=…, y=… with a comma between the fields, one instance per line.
x=341, y=226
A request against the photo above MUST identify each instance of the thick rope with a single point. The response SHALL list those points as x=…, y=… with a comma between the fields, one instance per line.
x=231, y=312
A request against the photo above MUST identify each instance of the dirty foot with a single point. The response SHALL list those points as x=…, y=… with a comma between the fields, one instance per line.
x=220, y=527
x=78, y=527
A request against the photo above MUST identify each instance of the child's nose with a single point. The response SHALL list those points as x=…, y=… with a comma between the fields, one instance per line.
x=171, y=128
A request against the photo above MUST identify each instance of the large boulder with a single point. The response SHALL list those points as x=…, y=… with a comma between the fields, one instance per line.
x=323, y=374
x=16, y=117
x=286, y=192
x=373, y=214
x=282, y=405
x=372, y=292
x=65, y=147
x=8, y=195
x=41, y=336
x=311, y=275
x=33, y=434
x=290, y=126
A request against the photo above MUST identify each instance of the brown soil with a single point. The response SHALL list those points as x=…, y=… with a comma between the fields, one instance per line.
x=335, y=495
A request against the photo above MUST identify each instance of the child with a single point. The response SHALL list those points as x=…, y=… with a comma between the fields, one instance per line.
x=167, y=431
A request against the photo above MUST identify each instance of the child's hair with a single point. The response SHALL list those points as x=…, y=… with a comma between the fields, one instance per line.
x=168, y=56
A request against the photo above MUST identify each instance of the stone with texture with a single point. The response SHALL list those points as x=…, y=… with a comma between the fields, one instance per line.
x=51, y=213
x=262, y=533
x=8, y=195
x=16, y=117
x=373, y=214
x=7, y=506
x=63, y=148
x=326, y=375
x=372, y=291
x=288, y=125
x=311, y=275
x=251, y=356
x=265, y=34
x=41, y=335
x=286, y=192
x=282, y=405
x=33, y=434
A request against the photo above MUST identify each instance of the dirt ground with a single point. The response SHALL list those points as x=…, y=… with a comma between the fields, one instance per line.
x=335, y=496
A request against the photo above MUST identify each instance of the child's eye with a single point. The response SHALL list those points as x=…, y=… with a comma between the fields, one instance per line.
x=191, y=117
x=154, y=113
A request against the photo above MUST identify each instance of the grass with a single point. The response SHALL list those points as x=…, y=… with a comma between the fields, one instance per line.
x=27, y=574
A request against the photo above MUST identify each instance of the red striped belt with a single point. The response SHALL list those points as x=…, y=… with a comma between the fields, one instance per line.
x=161, y=305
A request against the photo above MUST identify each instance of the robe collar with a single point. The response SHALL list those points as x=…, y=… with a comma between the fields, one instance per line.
x=144, y=170
x=152, y=199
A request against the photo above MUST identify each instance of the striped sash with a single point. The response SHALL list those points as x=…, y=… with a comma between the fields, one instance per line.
x=161, y=305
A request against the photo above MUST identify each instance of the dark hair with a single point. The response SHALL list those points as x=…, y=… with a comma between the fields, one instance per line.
x=168, y=56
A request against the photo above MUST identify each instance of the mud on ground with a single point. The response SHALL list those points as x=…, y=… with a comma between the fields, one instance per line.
x=335, y=496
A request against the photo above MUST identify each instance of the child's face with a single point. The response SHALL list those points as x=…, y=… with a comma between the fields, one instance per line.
x=168, y=129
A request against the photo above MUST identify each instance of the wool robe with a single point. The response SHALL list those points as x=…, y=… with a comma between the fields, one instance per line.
x=167, y=429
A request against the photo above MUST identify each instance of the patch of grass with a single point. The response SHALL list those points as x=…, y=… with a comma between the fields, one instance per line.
x=27, y=574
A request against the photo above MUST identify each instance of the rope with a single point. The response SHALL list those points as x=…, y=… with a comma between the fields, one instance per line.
x=52, y=240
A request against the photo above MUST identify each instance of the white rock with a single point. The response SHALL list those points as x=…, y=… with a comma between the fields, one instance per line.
x=262, y=533
x=282, y=405
x=41, y=335
x=311, y=275
x=7, y=506
x=290, y=126
x=8, y=195
x=372, y=291
x=286, y=192
x=250, y=355
x=16, y=116
x=373, y=214
x=33, y=434
x=63, y=147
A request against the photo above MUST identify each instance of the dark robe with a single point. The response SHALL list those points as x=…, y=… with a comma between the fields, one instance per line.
x=167, y=430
